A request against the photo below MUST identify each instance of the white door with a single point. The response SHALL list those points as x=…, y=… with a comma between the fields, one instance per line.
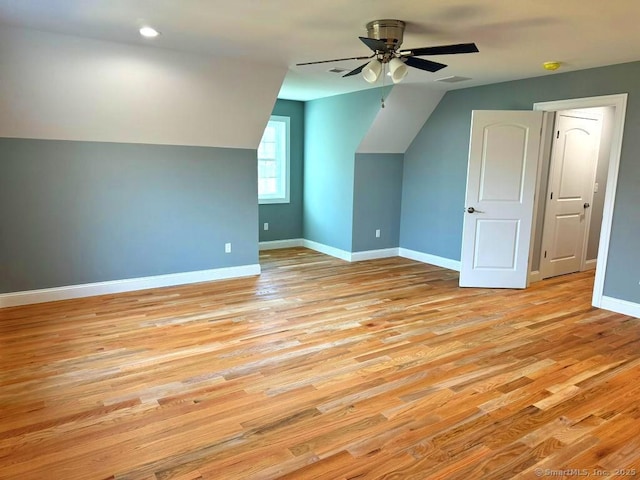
x=571, y=180
x=501, y=184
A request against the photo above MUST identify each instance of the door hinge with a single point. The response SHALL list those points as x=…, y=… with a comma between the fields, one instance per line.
x=545, y=254
x=551, y=196
x=558, y=134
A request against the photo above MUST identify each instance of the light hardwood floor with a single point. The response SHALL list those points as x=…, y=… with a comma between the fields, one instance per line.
x=321, y=369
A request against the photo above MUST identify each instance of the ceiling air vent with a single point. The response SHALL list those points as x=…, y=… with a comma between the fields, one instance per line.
x=453, y=79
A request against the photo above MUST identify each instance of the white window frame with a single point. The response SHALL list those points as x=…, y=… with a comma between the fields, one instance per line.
x=283, y=165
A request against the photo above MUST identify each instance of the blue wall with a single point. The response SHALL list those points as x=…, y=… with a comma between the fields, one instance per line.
x=83, y=212
x=376, y=201
x=285, y=219
x=434, y=180
x=334, y=127
x=436, y=163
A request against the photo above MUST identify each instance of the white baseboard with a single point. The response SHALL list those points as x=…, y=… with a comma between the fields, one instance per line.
x=620, y=306
x=361, y=256
x=590, y=264
x=430, y=259
x=277, y=244
x=535, y=276
x=373, y=254
x=127, y=285
x=327, y=250
x=350, y=256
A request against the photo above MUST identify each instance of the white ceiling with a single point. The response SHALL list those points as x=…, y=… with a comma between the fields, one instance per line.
x=514, y=36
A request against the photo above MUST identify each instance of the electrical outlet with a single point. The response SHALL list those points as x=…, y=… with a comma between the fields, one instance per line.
x=266, y=226
x=595, y=188
x=378, y=233
x=227, y=248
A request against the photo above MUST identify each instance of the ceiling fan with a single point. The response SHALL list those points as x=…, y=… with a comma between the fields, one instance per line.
x=384, y=38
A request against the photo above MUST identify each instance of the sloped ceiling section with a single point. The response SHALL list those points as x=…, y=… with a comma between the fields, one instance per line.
x=406, y=110
x=70, y=88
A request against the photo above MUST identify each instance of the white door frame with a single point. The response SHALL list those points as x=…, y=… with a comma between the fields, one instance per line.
x=618, y=101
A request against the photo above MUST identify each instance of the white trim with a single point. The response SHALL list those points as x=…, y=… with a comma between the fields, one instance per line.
x=535, y=276
x=620, y=306
x=383, y=253
x=331, y=251
x=327, y=250
x=374, y=254
x=276, y=244
x=127, y=285
x=430, y=259
x=590, y=264
x=620, y=103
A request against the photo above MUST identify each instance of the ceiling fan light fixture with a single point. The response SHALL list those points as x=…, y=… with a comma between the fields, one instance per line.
x=371, y=71
x=398, y=69
x=148, y=32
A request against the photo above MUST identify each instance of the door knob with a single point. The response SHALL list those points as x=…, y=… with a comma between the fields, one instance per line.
x=471, y=210
x=586, y=205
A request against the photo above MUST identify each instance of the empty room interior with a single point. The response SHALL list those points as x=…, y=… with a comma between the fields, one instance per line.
x=351, y=239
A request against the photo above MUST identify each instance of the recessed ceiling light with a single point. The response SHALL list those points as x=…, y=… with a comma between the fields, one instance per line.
x=149, y=32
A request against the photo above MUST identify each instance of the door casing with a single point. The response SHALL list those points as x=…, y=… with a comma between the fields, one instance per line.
x=619, y=101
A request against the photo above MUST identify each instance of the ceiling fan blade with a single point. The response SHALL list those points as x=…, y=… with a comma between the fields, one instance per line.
x=375, y=44
x=334, y=60
x=442, y=50
x=356, y=70
x=423, y=64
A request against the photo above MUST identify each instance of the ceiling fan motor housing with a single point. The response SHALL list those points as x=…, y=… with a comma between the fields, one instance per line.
x=389, y=31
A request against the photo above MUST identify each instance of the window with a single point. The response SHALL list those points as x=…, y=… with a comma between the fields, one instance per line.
x=273, y=162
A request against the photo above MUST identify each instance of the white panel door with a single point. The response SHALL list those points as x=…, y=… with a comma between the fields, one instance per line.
x=501, y=183
x=571, y=179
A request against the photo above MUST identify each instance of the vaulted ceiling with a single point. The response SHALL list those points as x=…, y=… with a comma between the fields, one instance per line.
x=514, y=36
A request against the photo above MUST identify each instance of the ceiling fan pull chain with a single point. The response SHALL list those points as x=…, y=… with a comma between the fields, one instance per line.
x=384, y=74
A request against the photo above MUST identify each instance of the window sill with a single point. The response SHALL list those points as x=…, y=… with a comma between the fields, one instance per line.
x=270, y=201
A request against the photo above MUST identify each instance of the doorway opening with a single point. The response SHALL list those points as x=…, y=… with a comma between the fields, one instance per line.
x=613, y=107
x=574, y=193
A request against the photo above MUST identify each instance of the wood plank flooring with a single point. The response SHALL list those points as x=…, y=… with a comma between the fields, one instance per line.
x=321, y=369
